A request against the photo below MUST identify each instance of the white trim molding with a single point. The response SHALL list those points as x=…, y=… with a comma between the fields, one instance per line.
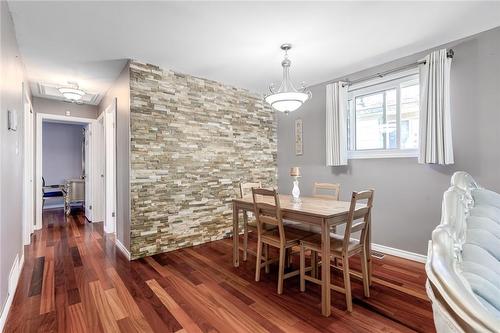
x=382, y=153
x=400, y=253
x=14, y=275
x=122, y=248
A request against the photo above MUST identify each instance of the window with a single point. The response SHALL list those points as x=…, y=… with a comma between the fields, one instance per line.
x=382, y=118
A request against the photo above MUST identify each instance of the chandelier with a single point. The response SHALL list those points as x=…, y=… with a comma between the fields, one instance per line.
x=287, y=98
x=72, y=93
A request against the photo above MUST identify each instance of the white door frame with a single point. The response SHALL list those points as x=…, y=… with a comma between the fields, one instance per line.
x=99, y=185
x=109, y=115
x=40, y=117
x=28, y=161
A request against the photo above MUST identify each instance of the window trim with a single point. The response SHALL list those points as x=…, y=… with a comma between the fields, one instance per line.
x=371, y=87
x=382, y=153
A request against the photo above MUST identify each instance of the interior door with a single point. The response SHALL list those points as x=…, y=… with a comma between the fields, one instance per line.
x=100, y=171
x=87, y=172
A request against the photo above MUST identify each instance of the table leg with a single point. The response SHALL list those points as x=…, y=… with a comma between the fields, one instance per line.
x=236, y=238
x=325, y=269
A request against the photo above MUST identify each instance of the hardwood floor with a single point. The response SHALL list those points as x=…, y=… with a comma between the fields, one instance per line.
x=76, y=280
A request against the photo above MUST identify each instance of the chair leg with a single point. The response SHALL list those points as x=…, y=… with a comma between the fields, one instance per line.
x=347, y=283
x=364, y=271
x=266, y=257
x=258, y=260
x=288, y=258
x=302, y=268
x=281, y=271
x=314, y=264
x=245, y=235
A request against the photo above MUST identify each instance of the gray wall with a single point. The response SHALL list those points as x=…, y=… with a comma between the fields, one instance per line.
x=407, y=194
x=62, y=152
x=52, y=106
x=11, y=151
x=121, y=91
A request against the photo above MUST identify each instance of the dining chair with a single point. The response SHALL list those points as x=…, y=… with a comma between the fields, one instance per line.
x=344, y=247
x=328, y=191
x=246, y=189
x=267, y=211
x=327, y=187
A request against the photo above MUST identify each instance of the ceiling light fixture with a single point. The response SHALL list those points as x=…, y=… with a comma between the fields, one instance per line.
x=287, y=98
x=73, y=94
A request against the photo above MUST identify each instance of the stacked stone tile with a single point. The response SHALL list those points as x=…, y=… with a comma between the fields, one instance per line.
x=192, y=142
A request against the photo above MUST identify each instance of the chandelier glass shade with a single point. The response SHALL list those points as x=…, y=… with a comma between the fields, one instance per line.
x=73, y=94
x=287, y=98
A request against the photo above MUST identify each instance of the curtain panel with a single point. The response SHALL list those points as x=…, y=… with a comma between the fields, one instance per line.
x=435, y=120
x=336, y=124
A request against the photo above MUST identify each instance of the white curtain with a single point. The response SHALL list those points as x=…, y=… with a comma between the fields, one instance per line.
x=435, y=120
x=336, y=124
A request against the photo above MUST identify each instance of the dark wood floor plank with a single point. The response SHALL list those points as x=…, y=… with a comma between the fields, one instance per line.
x=37, y=277
x=75, y=280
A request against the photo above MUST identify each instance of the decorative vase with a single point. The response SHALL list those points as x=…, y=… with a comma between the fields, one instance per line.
x=296, y=190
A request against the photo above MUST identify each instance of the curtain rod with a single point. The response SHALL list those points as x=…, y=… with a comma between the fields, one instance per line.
x=449, y=54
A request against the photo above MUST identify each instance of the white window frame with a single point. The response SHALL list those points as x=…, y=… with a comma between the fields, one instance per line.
x=370, y=87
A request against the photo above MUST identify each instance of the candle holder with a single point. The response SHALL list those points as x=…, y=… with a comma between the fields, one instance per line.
x=295, y=173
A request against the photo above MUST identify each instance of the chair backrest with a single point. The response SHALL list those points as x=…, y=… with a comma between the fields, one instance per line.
x=246, y=188
x=267, y=210
x=353, y=224
x=327, y=187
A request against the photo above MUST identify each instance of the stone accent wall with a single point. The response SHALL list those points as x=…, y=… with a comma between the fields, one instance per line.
x=192, y=142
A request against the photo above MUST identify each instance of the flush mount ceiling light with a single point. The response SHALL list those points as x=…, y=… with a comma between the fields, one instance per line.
x=287, y=98
x=72, y=93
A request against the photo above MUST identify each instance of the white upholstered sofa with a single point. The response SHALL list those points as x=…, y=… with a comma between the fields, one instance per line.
x=463, y=263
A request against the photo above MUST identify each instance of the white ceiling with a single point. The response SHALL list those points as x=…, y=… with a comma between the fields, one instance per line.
x=233, y=42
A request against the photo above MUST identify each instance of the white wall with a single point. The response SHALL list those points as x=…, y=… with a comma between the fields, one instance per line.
x=62, y=152
x=52, y=106
x=11, y=155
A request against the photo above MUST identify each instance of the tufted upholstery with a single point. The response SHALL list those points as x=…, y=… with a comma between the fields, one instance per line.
x=463, y=264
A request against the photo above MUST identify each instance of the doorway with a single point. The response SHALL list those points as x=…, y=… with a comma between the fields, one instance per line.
x=51, y=191
x=106, y=167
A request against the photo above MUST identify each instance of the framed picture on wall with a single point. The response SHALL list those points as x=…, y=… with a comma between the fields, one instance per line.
x=298, y=137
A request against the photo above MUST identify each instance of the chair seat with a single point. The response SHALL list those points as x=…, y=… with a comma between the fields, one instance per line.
x=292, y=236
x=53, y=194
x=336, y=242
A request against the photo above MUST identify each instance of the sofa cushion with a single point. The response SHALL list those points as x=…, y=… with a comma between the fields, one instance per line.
x=483, y=196
x=484, y=239
x=478, y=255
x=483, y=223
x=484, y=288
x=490, y=212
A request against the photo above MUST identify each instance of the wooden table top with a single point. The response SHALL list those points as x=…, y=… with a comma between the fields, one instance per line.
x=319, y=207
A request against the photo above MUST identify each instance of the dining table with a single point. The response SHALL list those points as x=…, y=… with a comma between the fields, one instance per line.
x=315, y=211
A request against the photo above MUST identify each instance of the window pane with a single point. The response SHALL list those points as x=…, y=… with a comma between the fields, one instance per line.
x=391, y=119
x=409, y=116
x=369, y=121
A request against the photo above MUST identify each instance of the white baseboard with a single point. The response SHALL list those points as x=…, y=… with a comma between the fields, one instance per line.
x=399, y=253
x=122, y=248
x=15, y=273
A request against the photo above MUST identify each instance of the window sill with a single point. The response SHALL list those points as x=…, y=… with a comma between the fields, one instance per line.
x=390, y=153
